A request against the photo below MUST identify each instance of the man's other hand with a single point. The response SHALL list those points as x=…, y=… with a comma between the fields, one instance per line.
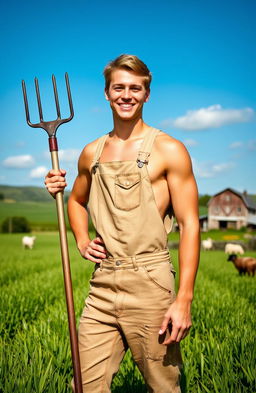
x=178, y=316
x=94, y=250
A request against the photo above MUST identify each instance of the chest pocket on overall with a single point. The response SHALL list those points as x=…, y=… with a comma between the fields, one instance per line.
x=127, y=191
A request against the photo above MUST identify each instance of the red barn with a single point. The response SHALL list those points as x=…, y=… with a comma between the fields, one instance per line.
x=231, y=209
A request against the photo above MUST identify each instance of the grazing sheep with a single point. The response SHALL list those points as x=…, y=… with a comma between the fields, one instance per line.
x=231, y=248
x=28, y=241
x=244, y=264
x=207, y=244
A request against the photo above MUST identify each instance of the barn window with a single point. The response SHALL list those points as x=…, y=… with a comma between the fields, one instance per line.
x=228, y=198
x=239, y=209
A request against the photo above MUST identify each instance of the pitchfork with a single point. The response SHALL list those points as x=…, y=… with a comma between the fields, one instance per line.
x=51, y=127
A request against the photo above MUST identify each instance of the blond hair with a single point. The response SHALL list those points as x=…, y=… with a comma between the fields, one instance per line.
x=129, y=63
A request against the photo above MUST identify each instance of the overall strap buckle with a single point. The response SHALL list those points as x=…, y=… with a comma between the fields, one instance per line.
x=142, y=158
x=94, y=167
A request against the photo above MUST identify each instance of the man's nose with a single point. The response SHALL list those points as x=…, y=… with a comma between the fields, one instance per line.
x=126, y=94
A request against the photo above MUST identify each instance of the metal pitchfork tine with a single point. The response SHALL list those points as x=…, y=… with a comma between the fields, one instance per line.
x=51, y=127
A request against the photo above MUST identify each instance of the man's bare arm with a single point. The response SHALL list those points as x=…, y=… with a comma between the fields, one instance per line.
x=184, y=196
x=93, y=250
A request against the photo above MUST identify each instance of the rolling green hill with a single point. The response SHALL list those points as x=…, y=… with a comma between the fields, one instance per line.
x=33, y=203
x=25, y=193
x=40, y=215
x=21, y=194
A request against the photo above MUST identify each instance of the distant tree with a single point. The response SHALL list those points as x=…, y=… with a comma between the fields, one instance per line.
x=16, y=225
x=1, y=196
x=204, y=199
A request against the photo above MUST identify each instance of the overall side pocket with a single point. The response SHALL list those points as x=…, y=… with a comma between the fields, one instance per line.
x=162, y=275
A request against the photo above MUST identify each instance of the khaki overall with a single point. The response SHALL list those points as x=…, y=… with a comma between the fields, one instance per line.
x=131, y=290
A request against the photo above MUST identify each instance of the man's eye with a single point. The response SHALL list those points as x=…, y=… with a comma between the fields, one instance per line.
x=135, y=89
x=118, y=88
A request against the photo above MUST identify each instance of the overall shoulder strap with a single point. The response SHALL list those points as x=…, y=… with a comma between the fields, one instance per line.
x=143, y=156
x=98, y=151
x=146, y=147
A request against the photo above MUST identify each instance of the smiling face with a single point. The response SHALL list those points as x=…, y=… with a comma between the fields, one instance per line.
x=126, y=94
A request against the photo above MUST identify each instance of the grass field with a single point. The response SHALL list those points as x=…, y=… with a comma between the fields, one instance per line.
x=219, y=354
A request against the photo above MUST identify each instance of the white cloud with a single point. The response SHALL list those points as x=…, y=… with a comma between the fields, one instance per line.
x=248, y=145
x=223, y=167
x=190, y=142
x=66, y=155
x=209, y=170
x=212, y=117
x=69, y=155
x=236, y=145
x=25, y=161
x=38, y=172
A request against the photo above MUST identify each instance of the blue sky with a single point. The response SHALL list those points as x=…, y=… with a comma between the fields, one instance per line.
x=203, y=61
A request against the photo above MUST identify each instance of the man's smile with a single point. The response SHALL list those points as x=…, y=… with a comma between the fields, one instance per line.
x=126, y=106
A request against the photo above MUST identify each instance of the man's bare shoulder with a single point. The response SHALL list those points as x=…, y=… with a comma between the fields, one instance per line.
x=87, y=155
x=170, y=148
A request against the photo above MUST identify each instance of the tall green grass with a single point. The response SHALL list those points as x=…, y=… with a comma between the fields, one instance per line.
x=218, y=355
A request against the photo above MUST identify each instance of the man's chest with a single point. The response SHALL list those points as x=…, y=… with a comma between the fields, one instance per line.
x=120, y=151
x=128, y=151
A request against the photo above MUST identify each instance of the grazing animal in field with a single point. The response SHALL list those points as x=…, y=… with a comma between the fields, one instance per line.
x=244, y=264
x=207, y=244
x=232, y=248
x=248, y=236
x=28, y=241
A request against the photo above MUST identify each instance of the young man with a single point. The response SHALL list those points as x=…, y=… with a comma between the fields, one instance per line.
x=131, y=180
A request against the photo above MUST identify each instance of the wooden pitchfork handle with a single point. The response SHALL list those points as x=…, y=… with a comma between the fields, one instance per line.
x=51, y=127
x=67, y=273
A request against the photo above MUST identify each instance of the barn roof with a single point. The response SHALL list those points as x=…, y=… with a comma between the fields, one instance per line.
x=248, y=201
